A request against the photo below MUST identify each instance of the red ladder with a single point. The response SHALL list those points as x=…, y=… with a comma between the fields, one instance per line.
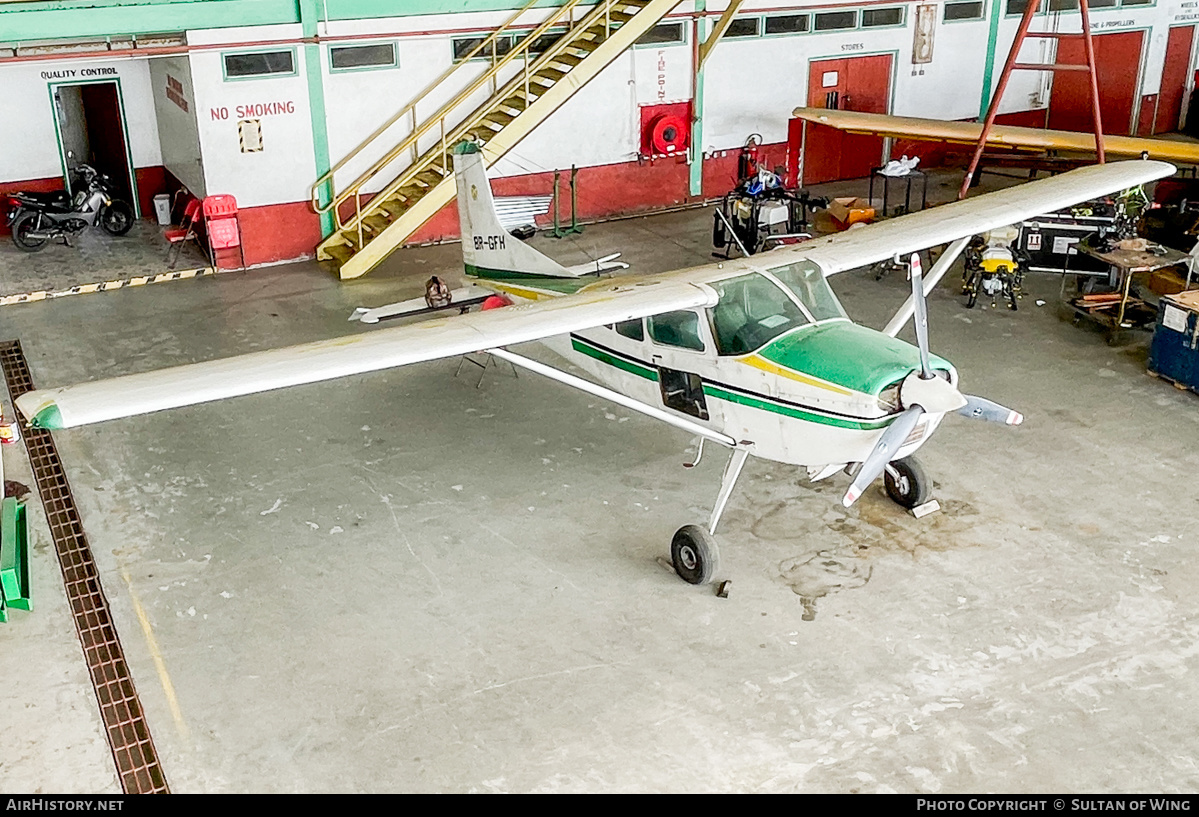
x=1011, y=65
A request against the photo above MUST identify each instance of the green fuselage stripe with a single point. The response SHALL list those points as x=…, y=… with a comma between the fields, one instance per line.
x=721, y=392
x=612, y=360
x=791, y=411
x=544, y=283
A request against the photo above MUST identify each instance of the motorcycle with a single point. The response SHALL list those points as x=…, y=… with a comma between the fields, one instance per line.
x=994, y=267
x=35, y=218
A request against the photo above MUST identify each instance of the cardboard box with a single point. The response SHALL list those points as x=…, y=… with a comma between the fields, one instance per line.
x=849, y=211
x=1167, y=282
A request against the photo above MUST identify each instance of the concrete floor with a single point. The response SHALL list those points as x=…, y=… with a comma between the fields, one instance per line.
x=402, y=582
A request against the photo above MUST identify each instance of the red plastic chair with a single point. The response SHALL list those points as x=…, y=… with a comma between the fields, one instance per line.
x=222, y=226
x=186, y=231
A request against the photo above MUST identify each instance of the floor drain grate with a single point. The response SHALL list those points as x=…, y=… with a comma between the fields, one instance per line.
x=128, y=734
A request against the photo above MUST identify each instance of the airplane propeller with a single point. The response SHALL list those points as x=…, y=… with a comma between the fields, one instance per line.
x=922, y=392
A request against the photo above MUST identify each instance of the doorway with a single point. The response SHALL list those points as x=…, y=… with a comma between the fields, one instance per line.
x=848, y=84
x=1175, y=71
x=89, y=118
x=1118, y=70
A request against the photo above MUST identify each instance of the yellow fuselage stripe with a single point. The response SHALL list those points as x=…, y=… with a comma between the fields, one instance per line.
x=772, y=368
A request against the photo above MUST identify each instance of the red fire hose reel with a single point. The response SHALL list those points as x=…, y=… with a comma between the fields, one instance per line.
x=668, y=134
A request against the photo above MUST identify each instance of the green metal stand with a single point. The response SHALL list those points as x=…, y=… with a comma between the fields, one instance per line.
x=14, y=558
x=559, y=231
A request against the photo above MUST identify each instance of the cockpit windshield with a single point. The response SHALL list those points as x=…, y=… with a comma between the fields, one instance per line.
x=807, y=283
x=752, y=311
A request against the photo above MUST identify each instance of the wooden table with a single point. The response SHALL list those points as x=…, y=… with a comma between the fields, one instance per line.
x=1124, y=265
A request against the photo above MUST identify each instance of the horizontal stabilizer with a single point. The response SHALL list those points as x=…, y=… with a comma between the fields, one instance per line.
x=608, y=262
x=463, y=296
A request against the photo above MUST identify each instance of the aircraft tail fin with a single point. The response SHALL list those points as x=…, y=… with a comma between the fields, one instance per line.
x=488, y=250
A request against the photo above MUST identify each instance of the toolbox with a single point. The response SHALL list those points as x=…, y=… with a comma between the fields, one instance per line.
x=1174, y=353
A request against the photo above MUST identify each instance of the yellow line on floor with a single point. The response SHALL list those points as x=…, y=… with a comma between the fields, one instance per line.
x=108, y=286
x=159, y=664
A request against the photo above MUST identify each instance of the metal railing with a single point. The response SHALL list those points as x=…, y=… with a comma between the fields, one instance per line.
x=449, y=135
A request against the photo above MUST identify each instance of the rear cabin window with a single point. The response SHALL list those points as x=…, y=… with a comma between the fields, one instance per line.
x=634, y=330
x=679, y=329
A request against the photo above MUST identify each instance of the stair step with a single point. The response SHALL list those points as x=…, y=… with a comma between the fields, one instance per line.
x=430, y=177
x=340, y=253
x=394, y=208
x=376, y=223
x=568, y=59
x=552, y=75
x=499, y=118
x=516, y=103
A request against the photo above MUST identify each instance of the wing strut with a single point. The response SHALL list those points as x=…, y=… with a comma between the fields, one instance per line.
x=931, y=280
x=614, y=396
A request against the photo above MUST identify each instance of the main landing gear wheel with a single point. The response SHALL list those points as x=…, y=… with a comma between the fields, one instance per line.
x=910, y=487
x=694, y=554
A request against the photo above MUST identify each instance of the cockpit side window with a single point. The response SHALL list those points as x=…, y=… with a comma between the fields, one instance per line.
x=751, y=311
x=806, y=281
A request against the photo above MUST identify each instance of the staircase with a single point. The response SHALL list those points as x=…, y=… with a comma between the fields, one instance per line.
x=369, y=226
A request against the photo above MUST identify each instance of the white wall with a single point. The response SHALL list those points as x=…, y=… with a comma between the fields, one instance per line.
x=178, y=134
x=30, y=144
x=283, y=170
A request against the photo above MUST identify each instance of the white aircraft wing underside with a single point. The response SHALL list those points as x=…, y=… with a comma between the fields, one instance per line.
x=940, y=225
x=355, y=354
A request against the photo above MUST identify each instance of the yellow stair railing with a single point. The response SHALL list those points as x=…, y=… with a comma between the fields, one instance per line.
x=370, y=226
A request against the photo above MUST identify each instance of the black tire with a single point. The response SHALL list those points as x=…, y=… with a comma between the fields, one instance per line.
x=116, y=218
x=913, y=488
x=694, y=554
x=25, y=224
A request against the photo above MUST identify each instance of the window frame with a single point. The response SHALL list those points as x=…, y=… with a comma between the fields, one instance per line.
x=816, y=15
x=667, y=43
x=807, y=15
x=395, y=56
x=754, y=18
x=903, y=17
x=241, y=52
x=982, y=11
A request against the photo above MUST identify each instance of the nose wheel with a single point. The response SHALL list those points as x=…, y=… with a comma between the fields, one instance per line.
x=906, y=483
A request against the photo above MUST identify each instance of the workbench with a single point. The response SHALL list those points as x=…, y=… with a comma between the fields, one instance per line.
x=1117, y=310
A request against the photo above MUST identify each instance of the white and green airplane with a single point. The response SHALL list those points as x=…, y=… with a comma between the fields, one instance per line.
x=755, y=354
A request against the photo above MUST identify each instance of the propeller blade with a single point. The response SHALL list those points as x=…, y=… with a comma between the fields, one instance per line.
x=884, y=451
x=979, y=408
x=920, y=318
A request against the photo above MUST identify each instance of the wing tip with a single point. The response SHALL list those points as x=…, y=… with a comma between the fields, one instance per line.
x=41, y=414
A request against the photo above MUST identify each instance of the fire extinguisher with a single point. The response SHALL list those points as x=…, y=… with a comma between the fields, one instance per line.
x=747, y=162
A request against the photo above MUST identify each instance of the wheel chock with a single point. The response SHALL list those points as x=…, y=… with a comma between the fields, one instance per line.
x=920, y=511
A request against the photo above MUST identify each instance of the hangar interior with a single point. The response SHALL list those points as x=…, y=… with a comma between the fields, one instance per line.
x=458, y=575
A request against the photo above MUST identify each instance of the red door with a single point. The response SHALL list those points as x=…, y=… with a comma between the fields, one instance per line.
x=1174, y=78
x=1118, y=65
x=849, y=84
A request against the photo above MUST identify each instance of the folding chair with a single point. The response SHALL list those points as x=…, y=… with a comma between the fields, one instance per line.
x=186, y=231
x=222, y=226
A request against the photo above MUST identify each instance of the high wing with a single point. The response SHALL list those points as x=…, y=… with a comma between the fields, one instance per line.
x=1000, y=136
x=598, y=304
x=355, y=354
x=949, y=222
